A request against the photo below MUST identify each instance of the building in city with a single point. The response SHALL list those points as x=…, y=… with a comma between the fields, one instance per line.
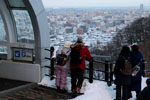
x=80, y=31
x=141, y=7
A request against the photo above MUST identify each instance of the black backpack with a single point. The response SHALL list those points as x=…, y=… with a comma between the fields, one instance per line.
x=75, y=57
x=61, y=59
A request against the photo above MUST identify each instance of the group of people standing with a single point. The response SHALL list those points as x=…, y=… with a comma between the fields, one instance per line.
x=74, y=56
x=75, y=62
x=129, y=82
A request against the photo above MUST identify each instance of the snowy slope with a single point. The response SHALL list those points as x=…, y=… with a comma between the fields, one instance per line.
x=98, y=90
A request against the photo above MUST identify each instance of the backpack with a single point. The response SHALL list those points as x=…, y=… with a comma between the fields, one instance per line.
x=127, y=68
x=75, y=57
x=62, y=58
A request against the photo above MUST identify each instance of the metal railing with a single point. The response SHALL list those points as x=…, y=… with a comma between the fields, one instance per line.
x=108, y=69
x=51, y=67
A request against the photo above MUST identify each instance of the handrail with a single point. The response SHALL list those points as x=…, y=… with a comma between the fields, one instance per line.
x=100, y=56
x=47, y=49
x=51, y=50
x=47, y=58
x=146, y=62
x=107, y=63
x=102, y=62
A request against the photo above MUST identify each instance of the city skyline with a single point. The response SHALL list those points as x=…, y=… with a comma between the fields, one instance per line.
x=94, y=3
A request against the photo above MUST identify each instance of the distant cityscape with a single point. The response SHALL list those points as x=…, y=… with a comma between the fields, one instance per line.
x=24, y=25
x=97, y=26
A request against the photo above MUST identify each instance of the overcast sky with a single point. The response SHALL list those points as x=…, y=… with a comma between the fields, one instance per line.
x=94, y=3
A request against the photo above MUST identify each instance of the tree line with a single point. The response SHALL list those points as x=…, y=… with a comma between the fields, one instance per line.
x=136, y=32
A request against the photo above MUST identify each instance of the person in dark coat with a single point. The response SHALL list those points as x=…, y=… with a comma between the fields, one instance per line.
x=77, y=71
x=136, y=59
x=122, y=81
x=145, y=94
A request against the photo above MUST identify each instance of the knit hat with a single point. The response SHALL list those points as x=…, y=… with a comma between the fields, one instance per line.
x=135, y=48
x=67, y=44
x=79, y=40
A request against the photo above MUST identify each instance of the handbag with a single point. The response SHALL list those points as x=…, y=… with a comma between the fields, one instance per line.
x=135, y=70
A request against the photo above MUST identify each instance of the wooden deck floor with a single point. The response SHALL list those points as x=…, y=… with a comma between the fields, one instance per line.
x=37, y=93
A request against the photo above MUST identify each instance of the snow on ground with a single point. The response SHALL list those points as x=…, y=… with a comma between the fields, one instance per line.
x=95, y=91
x=98, y=90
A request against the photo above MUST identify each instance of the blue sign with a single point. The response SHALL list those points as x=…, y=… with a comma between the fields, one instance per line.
x=17, y=53
x=23, y=53
x=29, y=51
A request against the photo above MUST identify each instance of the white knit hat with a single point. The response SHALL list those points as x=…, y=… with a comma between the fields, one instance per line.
x=67, y=44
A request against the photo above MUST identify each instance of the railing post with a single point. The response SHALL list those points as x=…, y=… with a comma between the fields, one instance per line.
x=110, y=75
x=91, y=71
x=106, y=70
x=52, y=63
x=143, y=68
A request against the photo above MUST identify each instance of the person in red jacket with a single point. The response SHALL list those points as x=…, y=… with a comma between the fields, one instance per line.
x=78, y=54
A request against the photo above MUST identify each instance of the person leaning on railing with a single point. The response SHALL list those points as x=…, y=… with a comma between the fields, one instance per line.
x=77, y=70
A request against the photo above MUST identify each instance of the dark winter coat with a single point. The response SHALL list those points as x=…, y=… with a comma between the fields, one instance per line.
x=85, y=54
x=121, y=79
x=145, y=94
x=136, y=58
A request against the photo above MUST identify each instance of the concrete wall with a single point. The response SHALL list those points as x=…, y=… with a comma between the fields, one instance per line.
x=40, y=25
x=20, y=71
